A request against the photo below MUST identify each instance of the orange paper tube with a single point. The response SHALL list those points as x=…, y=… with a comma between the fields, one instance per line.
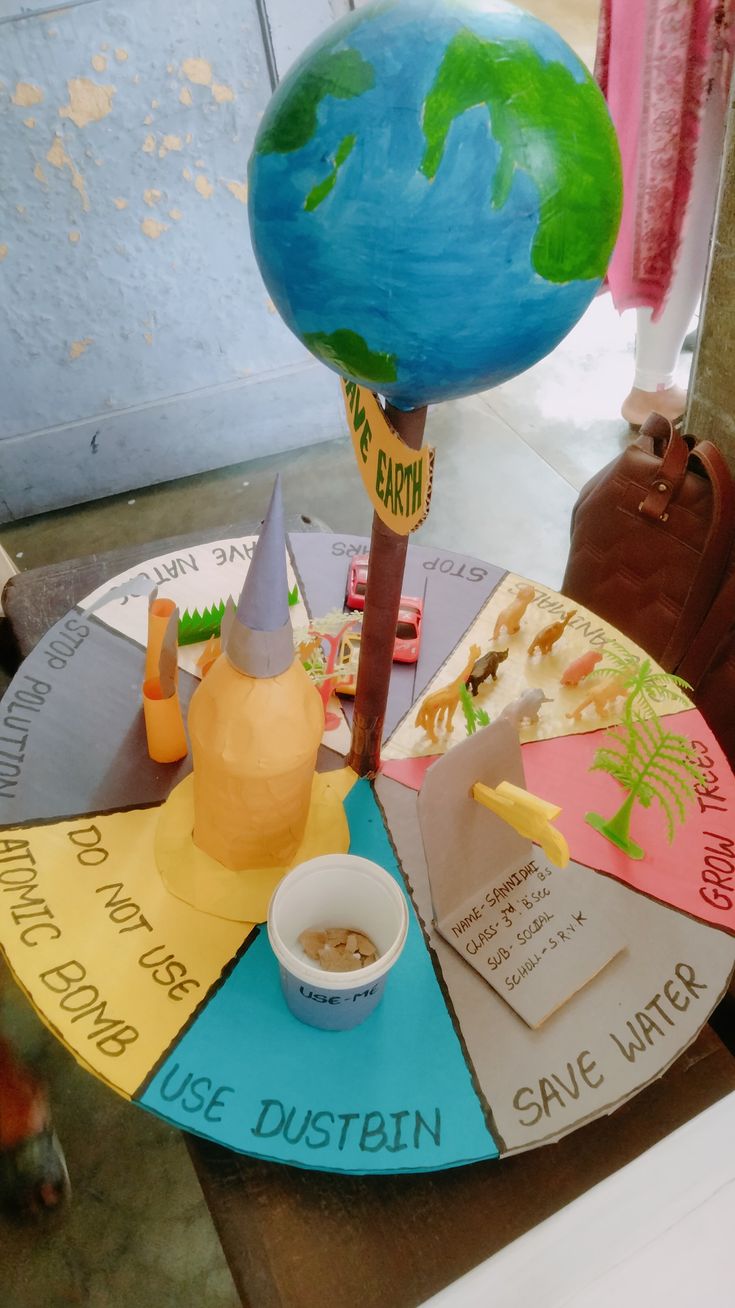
x=382, y=600
x=159, y=613
x=164, y=725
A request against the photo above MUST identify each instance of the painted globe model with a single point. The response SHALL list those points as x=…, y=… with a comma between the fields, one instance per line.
x=434, y=196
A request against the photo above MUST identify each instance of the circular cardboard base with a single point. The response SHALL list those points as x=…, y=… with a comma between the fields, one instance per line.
x=184, y=1014
x=239, y=896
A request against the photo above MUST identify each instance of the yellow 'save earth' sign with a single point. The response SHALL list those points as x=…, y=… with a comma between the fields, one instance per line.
x=397, y=479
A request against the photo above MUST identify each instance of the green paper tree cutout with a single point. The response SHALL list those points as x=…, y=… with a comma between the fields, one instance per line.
x=195, y=626
x=650, y=762
x=474, y=717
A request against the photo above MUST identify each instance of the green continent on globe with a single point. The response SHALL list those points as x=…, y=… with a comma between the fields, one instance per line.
x=350, y=353
x=322, y=189
x=549, y=126
x=342, y=74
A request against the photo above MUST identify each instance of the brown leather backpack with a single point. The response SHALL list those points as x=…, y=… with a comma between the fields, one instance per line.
x=653, y=552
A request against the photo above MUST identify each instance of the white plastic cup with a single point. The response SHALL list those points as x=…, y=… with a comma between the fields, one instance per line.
x=336, y=890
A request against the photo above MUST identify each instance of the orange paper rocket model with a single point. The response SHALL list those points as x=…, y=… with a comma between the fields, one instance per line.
x=256, y=723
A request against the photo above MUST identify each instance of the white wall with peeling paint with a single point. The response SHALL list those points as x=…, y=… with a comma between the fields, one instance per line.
x=137, y=341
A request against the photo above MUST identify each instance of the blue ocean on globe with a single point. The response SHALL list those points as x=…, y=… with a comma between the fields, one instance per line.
x=434, y=196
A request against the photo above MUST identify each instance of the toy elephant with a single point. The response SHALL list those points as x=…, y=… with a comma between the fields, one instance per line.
x=526, y=708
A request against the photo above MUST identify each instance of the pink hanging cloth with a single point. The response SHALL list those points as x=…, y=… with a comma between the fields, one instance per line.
x=657, y=61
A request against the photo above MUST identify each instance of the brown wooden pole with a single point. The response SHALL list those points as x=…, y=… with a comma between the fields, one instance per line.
x=382, y=598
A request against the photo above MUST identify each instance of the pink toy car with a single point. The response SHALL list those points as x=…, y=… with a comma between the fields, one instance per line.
x=410, y=613
x=357, y=582
x=408, y=630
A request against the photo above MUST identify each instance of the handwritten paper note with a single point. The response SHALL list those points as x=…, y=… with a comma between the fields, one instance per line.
x=532, y=931
x=534, y=935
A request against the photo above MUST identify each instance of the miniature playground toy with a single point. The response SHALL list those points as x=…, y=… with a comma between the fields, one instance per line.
x=348, y=659
x=339, y=667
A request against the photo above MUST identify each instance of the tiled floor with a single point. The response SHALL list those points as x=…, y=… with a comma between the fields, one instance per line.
x=509, y=465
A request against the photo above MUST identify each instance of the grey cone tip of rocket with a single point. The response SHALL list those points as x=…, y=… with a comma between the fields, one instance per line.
x=263, y=604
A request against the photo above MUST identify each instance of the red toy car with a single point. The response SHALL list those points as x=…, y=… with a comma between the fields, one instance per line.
x=408, y=630
x=357, y=582
x=410, y=613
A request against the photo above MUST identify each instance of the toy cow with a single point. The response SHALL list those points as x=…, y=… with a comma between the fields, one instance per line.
x=511, y=616
x=485, y=667
x=546, y=638
x=580, y=668
x=524, y=709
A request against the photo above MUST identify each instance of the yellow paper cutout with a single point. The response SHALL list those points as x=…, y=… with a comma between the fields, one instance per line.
x=528, y=814
x=518, y=673
x=397, y=479
x=114, y=963
x=199, y=880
